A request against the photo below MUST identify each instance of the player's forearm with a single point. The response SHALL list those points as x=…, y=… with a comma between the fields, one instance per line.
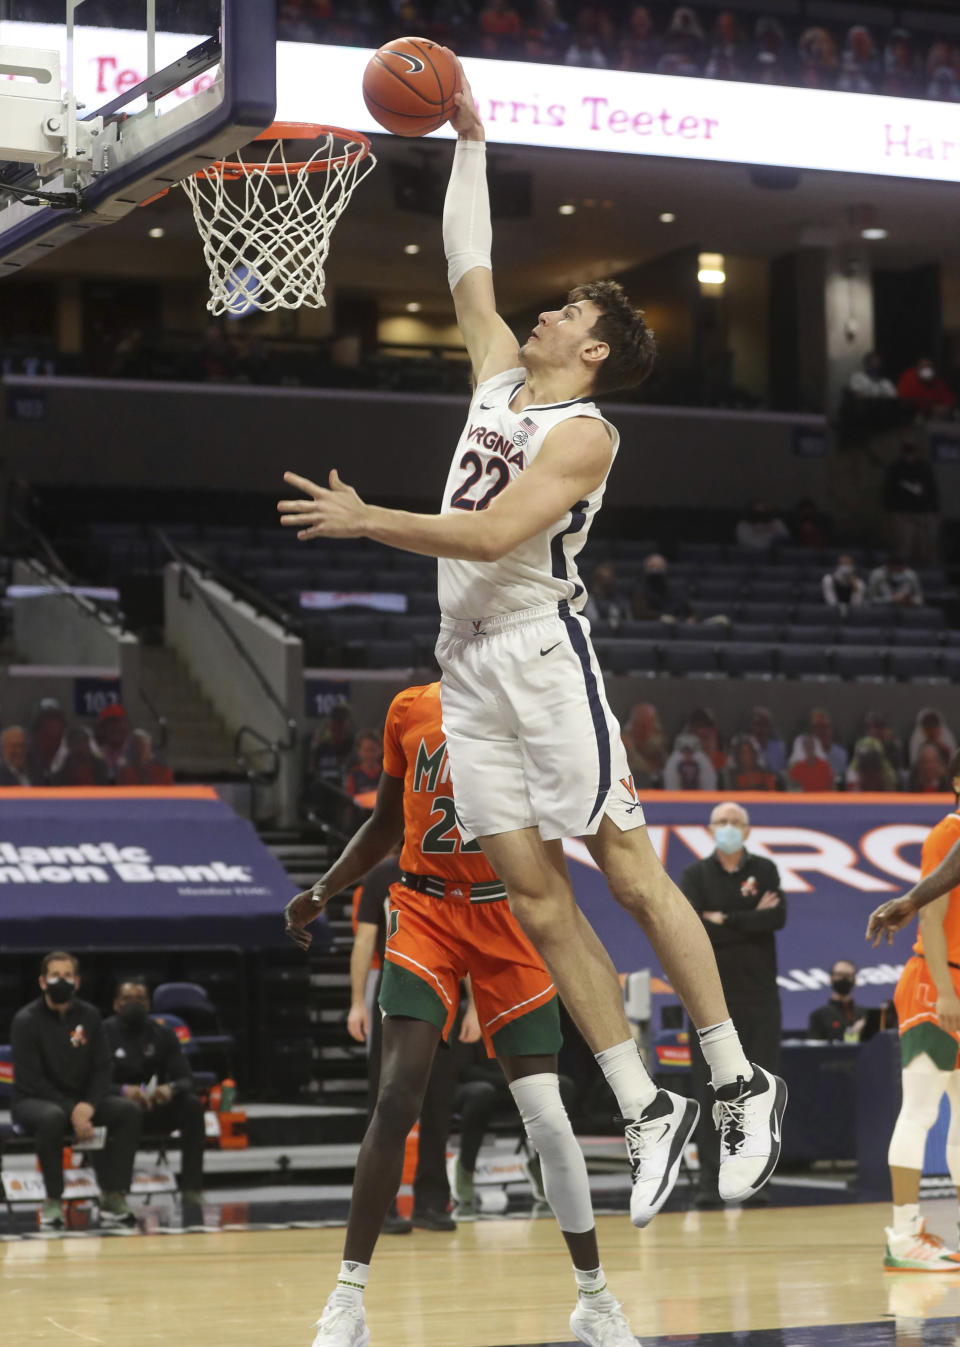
x=466, y=537
x=361, y=958
x=938, y=882
x=935, y=953
x=366, y=848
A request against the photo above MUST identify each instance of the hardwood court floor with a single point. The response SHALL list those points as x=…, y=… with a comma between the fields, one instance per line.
x=492, y=1284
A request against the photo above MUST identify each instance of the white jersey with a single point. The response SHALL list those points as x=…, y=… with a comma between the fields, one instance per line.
x=494, y=448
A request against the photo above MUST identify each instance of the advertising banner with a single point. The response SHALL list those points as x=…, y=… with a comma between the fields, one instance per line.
x=571, y=107
x=839, y=856
x=113, y=866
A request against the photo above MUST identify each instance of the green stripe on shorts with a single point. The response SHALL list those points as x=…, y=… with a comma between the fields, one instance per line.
x=940, y=1047
x=536, y=1034
x=404, y=993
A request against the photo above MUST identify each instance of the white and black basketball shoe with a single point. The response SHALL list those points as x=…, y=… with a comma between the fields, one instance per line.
x=655, y=1144
x=749, y=1115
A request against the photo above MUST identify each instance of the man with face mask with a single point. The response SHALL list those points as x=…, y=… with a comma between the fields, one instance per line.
x=61, y=1085
x=840, y=1019
x=739, y=899
x=911, y=498
x=923, y=388
x=143, y=1048
x=870, y=382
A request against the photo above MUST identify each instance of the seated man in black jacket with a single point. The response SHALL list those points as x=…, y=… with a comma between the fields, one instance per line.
x=142, y=1049
x=61, y=1086
x=840, y=1020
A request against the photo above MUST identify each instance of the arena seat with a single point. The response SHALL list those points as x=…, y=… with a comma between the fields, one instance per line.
x=865, y=663
x=916, y=663
x=755, y=633
x=694, y=631
x=758, y=612
x=689, y=658
x=797, y=633
x=190, y=1002
x=922, y=617
x=917, y=636
x=628, y=657
x=864, y=635
x=817, y=615
x=806, y=661
x=749, y=661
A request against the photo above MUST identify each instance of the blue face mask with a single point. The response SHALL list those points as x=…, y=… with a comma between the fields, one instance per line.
x=729, y=838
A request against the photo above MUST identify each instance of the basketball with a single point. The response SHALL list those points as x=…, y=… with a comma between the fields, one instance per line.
x=409, y=86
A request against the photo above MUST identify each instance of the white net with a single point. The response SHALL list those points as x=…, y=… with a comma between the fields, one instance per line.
x=266, y=224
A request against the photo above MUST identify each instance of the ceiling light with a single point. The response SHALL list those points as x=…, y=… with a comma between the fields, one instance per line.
x=157, y=232
x=567, y=209
x=667, y=217
x=874, y=232
x=413, y=307
x=411, y=249
x=711, y=269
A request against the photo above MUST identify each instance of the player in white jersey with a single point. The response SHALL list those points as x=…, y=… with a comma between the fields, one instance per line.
x=534, y=749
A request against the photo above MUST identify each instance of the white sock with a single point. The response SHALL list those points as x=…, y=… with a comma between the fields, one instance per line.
x=720, y=1045
x=351, y=1283
x=627, y=1077
x=906, y=1218
x=593, y=1292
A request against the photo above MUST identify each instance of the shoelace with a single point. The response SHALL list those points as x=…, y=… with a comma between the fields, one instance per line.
x=334, y=1314
x=730, y=1116
x=637, y=1135
x=605, y=1324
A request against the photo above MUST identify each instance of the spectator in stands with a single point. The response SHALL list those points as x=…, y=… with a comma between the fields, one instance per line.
x=894, y=585
x=926, y=392
x=769, y=741
x=931, y=729
x=727, y=55
x=818, y=59
x=769, y=41
x=83, y=765
x=332, y=745
x=929, y=771
x=901, y=66
x=703, y=724
x=810, y=768
x=112, y=736
x=871, y=382
x=61, y=1085
x=48, y=747
x=809, y=525
x=363, y=777
x=646, y=745
x=547, y=31
x=858, y=63
x=840, y=1020
x=877, y=726
x=943, y=83
x=740, y=900
x=585, y=50
x=744, y=770
x=603, y=601
x=639, y=46
x=684, y=45
x=842, y=587
x=652, y=598
x=141, y=767
x=452, y=20
x=688, y=767
x=144, y=1050
x=499, y=23
x=760, y=529
x=13, y=757
x=822, y=728
x=871, y=769
x=911, y=499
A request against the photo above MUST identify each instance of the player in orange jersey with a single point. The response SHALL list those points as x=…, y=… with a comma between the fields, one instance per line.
x=449, y=918
x=928, y=1008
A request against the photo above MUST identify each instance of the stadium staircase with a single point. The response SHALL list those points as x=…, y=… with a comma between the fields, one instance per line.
x=200, y=746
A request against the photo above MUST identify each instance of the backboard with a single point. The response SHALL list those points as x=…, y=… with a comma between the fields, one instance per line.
x=105, y=103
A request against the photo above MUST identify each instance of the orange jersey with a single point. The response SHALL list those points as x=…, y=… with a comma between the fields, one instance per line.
x=415, y=749
x=938, y=843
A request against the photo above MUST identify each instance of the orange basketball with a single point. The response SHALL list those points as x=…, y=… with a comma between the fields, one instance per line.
x=409, y=86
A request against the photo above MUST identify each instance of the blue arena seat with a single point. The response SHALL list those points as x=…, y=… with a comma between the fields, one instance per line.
x=773, y=591
x=697, y=631
x=817, y=615
x=755, y=633
x=922, y=617
x=868, y=615
x=718, y=587
x=690, y=657
x=950, y=664
x=628, y=657
x=806, y=661
x=864, y=663
x=388, y=654
x=919, y=636
x=353, y=626
x=864, y=635
x=916, y=663
x=705, y=554
x=404, y=626
x=750, y=661
x=759, y=612
x=820, y=634
x=717, y=608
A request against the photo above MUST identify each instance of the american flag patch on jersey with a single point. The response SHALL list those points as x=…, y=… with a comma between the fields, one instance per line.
x=529, y=425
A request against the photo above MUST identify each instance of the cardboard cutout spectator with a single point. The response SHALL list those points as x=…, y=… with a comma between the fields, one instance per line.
x=769, y=43
x=83, y=765
x=48, y=748
x=929, y=772
x=769, y=740
x=688, y=767
x=646, y=745
x=640, y=48
x=684, y=44
x=744, y=770
x=142, y=768
x=13, y=757
x=858, y=64
x=931, y=729
x=822, y=728
x=727, y=55
x=810, y=769
x=901, y=65
x=111, y=735
x=818, y=59
x=870, y=769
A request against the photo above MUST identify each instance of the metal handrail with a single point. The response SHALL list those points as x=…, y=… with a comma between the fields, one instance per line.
x=263, y=777
x=284, y=746
x=63, y=578
x=163, y=727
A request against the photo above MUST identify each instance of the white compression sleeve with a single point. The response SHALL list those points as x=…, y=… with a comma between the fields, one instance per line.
x=923, y=1087
x=564, y=1169
x=467, y=232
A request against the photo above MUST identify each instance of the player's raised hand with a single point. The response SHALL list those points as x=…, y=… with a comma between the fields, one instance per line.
x=328, y=512
x=889, y=918
x=465, y=119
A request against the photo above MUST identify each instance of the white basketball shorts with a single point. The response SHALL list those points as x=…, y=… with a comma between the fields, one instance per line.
x=530, y=737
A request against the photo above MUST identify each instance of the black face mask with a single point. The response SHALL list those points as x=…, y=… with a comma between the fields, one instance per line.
x=657, y=582
x=842, y=986
x=60, y=991
x=133, y=1016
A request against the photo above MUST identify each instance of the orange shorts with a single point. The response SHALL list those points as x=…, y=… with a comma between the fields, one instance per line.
x=916, y=1001
x=432, y=943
